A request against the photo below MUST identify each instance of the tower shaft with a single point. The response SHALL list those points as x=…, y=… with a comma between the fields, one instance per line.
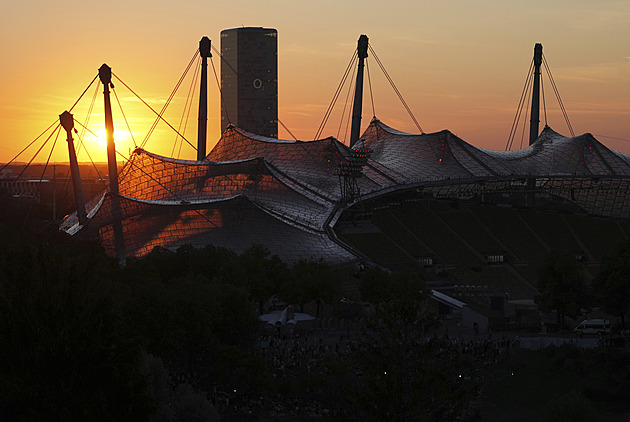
x=249, y=80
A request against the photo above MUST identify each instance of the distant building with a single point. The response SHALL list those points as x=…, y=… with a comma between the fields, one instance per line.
x=249, y=80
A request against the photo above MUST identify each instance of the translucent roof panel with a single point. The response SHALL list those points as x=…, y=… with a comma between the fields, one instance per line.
x=153, y=178
x=414, y=157
x=311, y=163
x=417, y=157
x=236, y=224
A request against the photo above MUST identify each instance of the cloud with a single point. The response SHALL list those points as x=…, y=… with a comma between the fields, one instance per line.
x=414, y=40
x=606, y=73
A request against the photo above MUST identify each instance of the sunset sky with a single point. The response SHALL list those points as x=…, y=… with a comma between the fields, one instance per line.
x=460, y=65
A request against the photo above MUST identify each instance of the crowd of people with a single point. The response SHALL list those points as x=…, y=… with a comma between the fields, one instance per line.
x=294, y=359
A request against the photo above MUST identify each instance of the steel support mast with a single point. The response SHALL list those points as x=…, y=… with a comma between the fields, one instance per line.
x=202, y=127
x=534, y=123
x=362, y=47
x=105, y=74
x=67, y=121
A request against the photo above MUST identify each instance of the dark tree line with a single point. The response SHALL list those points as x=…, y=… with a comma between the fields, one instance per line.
x=612, y=285
x=84, y=338
x=563, y=287
x=404, y=376
x=63, y=351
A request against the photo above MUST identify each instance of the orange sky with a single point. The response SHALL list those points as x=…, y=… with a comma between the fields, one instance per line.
x=459, y=64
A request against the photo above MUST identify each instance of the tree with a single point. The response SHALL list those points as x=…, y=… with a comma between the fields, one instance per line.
x=613, y=283
x=402, y=376
x=375, y=287
x=561, y=286
x=262, y=274
x=63, y=353
x=309, y=281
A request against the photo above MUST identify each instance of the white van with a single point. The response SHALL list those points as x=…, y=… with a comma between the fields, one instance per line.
x=593, y=326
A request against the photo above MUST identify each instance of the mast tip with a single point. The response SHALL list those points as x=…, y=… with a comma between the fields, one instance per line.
x=204, y=47
x=105, y=74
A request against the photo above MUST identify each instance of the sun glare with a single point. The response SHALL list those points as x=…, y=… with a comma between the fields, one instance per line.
x=96, y=144
x=101, y=139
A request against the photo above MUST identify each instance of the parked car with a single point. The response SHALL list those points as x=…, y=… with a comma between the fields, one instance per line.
x=593, y=326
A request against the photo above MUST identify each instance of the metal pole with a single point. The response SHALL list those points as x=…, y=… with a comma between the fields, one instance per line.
x=67, y=121
x=204, y=51
x=54, y=201
x=105, y=74
x=535, y=119
x=535, y=112
x=362, y=47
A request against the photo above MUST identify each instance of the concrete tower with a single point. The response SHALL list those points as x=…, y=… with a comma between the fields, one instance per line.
x=249, y=80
